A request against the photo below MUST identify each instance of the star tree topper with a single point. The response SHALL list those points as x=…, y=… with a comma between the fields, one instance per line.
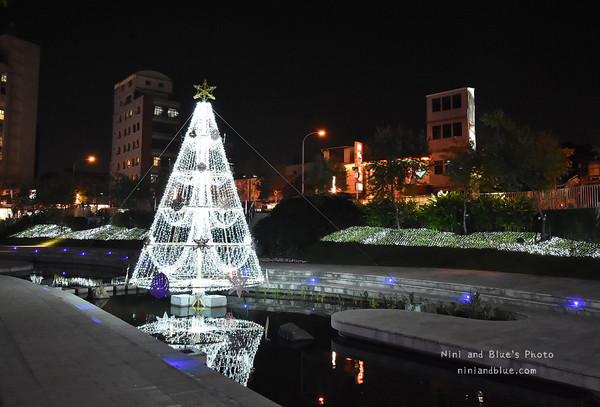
x=204, y=91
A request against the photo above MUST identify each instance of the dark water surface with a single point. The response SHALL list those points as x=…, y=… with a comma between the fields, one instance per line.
x=335, y=371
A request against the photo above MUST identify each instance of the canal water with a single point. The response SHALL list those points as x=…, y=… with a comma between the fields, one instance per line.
x=336, y=371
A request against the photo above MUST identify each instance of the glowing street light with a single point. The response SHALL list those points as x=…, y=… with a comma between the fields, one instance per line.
x=321, y=133
x=91, y=159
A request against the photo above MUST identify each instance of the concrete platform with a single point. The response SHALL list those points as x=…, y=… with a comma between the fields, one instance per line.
x=59, y=350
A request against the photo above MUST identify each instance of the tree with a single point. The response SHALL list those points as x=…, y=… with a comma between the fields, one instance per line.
x=520, y=159
x=395, y=155
x=199, y=239
x=321, y=174
x=464, y=169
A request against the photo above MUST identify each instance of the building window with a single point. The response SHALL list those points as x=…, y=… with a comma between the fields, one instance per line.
x=118, y=150
x=138, y=110
x=457, y=129
x=436, y=105
x=137, y=160
x=128, y=163
x=123, y=164
x=138, y=126
x=148, y=82
x=119, y=133
x=172, y=112
x=456, y=101
x=447, y=131
x=436, y=132
x=446, y=103
x=118, y=166
x=158, y=110
x=438, y=167
x=1, y=114
x=130, y=83
x=137, y=143
x=3, y=83
x=156, y=161
x=161, y=85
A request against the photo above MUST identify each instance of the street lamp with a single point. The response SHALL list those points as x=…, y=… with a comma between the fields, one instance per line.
x=321, y=133
x=90, y=159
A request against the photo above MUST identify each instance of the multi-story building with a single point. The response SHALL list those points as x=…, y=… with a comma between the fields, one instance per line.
x=145, y=121
x=450, y=123
x=19, y=78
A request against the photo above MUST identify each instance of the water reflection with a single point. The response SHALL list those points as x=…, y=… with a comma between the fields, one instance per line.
x=230, y=344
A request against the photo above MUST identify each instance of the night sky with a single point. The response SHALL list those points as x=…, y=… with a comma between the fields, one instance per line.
x=283, y=69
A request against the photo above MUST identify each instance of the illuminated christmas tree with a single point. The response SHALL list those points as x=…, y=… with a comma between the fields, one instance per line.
x=199, y=239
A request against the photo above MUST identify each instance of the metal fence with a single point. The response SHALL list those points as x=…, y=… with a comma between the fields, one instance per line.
x=583, y=196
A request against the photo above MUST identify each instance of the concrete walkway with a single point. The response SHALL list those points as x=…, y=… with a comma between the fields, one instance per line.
x=59, y=350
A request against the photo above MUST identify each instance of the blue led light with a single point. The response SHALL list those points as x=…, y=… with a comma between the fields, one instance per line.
x=108, y=252
x=64, y=273
x=81, y=254
x=15, y=247
x=64, y=250
x=390, y=280
x=245, y=305
x=575, y=303
x=35, y=251
x=313, y=280
x=86, y=307
x=96, y=320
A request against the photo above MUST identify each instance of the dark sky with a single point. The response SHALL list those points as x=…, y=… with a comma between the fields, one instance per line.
x=285, y=68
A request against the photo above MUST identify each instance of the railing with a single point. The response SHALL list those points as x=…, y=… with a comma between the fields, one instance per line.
x=583, y=196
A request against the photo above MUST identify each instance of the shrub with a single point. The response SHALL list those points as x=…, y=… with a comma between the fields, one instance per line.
x=443, y=212
x=382, y=213
x=294, y=225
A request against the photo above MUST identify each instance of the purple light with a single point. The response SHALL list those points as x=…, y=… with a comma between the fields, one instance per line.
x=245, y=305
x=108, y=252
x=390, y=280
x=15, y=248
x=313, y=280
x=35, y=251
x=96, y=320
x=575, y=303
x=64, y=250
x=64, y=273
x=82, y=254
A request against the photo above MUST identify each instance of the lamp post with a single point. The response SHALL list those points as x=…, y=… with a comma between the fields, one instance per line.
x=321, y=133
x=89, y=159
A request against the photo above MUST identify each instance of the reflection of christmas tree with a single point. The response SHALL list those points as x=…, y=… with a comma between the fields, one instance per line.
x=199, y=238
x=230, y=345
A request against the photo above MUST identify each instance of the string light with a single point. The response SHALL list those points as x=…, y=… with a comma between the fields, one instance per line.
x=507, y=241
x=199, y=238
x=230, y=344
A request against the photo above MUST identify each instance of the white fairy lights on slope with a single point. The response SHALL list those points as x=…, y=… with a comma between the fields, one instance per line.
x=229, y=344
x=199, y=238
x=506, y=241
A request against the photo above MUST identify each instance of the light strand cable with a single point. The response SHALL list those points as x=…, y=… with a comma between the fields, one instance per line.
x=290, y=184
x=152, y=166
